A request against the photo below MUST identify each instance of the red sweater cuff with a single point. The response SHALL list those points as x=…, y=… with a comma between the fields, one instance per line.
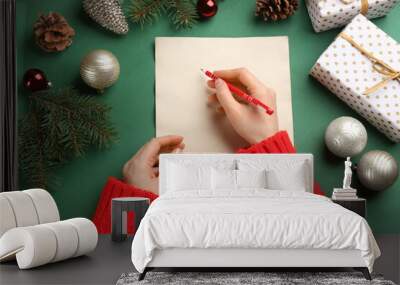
x=115, y=188
x=278, y=143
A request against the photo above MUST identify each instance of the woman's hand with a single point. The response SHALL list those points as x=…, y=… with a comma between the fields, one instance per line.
x=142, y=169
x=249, y=121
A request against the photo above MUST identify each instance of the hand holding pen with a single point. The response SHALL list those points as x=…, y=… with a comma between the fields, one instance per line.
x=243, y=95
x=253, y=124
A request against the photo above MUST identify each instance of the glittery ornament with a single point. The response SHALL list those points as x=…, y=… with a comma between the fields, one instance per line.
x=207, y=8
x=107, y=13
x=346, y=136
x=377, y=170
x=35, y=80
x=100, y=69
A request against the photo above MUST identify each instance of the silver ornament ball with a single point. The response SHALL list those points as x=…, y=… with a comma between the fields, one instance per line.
x=346, y=136
x=100, y=69
x=377, y=170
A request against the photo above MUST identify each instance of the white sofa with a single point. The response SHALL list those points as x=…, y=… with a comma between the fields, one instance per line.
x=31, y=231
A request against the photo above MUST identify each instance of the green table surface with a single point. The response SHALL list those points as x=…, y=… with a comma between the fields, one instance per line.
x=132, y=97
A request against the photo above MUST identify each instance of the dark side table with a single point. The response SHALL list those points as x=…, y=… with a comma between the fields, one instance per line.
x=119, y=214
x=358, y=206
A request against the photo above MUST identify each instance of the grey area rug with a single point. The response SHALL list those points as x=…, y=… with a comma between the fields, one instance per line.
x=235, y=278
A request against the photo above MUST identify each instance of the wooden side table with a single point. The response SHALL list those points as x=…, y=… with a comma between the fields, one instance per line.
x=358, y=206
x=119, y=209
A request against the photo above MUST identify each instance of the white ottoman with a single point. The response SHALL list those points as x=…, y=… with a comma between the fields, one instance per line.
x=26, y=208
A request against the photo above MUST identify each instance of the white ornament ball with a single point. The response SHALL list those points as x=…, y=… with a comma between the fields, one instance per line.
x=346, y=136
x=377, y=170
x=100, y=69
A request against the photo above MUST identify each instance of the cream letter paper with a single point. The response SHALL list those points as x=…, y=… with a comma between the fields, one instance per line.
x=181, y=90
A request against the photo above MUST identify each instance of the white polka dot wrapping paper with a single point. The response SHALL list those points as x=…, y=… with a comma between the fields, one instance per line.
x=366, y=86
x=329, y=14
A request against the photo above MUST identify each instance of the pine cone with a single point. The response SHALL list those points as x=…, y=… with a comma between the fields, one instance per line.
x=52, y=32
x=107, y=13
x=276, y=9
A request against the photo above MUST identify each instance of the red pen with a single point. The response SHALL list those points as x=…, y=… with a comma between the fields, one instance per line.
x=240, y=93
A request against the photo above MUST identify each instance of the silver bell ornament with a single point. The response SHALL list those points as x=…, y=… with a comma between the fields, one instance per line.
x=346, y=136
x=100, y=69
x=377, y=170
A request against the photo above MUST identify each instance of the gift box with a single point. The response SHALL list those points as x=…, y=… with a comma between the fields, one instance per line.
x=362, y=68
x=329, y=14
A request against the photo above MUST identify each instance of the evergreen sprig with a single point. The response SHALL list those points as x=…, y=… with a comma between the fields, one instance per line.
x=183, y=13
x=59, y=126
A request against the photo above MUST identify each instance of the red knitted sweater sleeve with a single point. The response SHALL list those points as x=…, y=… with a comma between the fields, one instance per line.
x=278, y=143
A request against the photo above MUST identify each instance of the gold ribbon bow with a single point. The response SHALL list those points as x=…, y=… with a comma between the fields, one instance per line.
x=377, y=64
x=364, y=5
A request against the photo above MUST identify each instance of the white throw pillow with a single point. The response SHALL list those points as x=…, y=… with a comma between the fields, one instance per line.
x=251, y=178
x=283, y=174
x=223, y=179
x=291, y=180
x=181, y=178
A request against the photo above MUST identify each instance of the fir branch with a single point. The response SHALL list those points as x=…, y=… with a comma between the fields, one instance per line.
x=145, y=11
x=59, y=126
x=85, y=113
x=33, y=162
x=183, y=13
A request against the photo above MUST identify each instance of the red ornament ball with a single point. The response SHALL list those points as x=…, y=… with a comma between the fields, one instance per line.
x=207, y=8
x=35, y=80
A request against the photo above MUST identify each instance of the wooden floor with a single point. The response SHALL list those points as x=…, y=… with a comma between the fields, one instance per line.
x=110, y=260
